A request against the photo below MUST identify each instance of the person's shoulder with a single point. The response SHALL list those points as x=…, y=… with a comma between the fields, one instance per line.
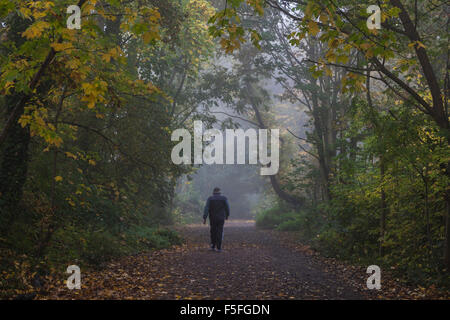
x=217, y=197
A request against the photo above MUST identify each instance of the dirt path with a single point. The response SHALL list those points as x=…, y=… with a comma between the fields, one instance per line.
x=255, y=264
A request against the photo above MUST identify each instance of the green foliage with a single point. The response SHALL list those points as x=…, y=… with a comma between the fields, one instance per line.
x=412, y=182
x=273, y=217
x=374, y=160
x=188, y=203
x=140, y=238
x=85, y=163
x=93, y=248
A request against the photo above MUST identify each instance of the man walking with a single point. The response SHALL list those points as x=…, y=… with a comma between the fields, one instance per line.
x=218, y=210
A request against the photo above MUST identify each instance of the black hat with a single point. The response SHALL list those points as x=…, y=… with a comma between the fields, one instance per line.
x=216, y=190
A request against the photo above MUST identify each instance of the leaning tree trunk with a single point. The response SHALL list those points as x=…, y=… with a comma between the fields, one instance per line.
x=13, y=166
x=288, y=198
x=14, y=140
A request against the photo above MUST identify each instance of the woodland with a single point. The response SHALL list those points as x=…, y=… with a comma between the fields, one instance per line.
x=87, y=115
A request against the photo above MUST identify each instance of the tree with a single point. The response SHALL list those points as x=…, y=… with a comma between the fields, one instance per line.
x=408, y=55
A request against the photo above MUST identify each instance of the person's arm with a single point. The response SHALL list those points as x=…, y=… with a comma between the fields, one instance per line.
x=206, y=211
x=227, y=208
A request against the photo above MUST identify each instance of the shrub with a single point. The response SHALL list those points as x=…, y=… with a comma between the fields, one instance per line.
x=142, y=238
x=291, y=224
x=273, y=217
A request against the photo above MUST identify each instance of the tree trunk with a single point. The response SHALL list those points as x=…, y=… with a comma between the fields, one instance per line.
x=447, y=235
x=284, y=195
x=384, y=208
x=13, y=167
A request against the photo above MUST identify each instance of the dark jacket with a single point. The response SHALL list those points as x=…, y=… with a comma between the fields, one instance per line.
x=217, y=207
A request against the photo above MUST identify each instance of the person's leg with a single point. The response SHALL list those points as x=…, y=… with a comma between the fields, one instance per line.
x=213, y=233
x=219, y=234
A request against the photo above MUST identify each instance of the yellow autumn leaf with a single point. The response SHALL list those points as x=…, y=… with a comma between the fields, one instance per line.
x=416, y=44
x=369, y=53
x=331, y=57
x=313, y=27
x=420, y=44
x=365, y=46
x=323, y=18
x=58, y=178
x=35, y=30
x=71, y=155
x=73, y=63
x=61, y=46
x=26, y=12
x=70, y=201
x=106, y=57
x=151, y=35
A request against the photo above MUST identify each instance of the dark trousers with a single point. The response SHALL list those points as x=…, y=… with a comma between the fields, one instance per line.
x=216, y=232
